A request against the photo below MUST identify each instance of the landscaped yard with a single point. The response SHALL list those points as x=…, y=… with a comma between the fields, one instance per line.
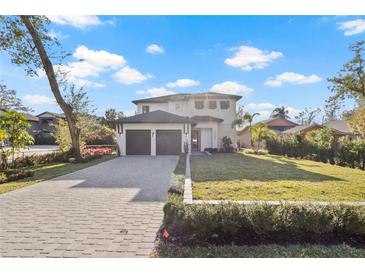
x=49, y=171
x=268, y=177
x=261, y=251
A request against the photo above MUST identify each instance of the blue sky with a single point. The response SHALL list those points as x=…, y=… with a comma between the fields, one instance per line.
x=269, y=60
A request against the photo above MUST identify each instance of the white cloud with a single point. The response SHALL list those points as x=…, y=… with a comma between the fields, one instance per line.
x=78, y=21
x=57, y=35
x=183, y=83
x=292, y=78
x=129, y=112
x=293, y=111
x=256, y=107
x=230, y=87
x=100, y=59
x=155, y=92
x=248, y=58
x=128, y=76
x=37, y=99
x=86, y=83
x=352, y=27
x=154, y=49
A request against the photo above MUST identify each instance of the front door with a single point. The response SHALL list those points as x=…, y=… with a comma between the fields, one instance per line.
x=195, y=140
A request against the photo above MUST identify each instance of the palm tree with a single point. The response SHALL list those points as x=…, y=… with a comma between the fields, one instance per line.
x=280, y=112
x=260, y=132
x=242, y=119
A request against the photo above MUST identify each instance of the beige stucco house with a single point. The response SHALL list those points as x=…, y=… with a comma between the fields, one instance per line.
x=165, y=125
x=278, y=125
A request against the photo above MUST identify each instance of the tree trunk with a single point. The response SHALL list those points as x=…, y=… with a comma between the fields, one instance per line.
x=251, y=136
x=48, y=68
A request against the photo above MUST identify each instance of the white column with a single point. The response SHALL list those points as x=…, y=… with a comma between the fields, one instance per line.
x=153, y=142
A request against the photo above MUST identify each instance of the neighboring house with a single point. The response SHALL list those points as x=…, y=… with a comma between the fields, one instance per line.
x=163, y=125
x=340, y=126
x=303, y=129
x=42, y=126
x=278, y=125
x=46, y=127
x=33, y=130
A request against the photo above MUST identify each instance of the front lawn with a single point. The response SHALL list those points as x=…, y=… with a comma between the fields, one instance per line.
x=270, y=177
x=261, y=251
x=48, y=171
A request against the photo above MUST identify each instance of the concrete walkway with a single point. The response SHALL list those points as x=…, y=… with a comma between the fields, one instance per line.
x=113, y=209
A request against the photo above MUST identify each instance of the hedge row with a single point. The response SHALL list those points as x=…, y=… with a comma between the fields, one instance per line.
x=321, y=147
x=237, y=223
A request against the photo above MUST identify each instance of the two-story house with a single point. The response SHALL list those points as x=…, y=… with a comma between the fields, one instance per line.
x=165, y=125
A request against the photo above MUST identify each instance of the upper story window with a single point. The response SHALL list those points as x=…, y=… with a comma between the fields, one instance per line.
x=224, y=104
x=145, y=109
x=212, y=104
x=177, y=107
x=199, y=104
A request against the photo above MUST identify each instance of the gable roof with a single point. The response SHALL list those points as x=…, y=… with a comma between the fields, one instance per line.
x=299, y=129
x=157, y=116
x=52, y=114
x=186, y=96
x=31, y=117
x=339, y=125
x=267, y=122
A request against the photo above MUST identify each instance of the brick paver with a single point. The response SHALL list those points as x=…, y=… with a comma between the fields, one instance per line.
x=113, y=209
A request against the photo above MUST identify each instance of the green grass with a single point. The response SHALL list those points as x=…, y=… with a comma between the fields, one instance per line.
x=262, y=251
x=269, y=177
x=49, y=171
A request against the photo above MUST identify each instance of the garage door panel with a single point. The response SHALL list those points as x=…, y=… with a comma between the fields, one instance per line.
x=168, y=142
x=138, y=142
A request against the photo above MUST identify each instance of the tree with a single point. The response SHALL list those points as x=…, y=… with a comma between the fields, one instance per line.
x=356, y=121
x=280, y=112
x=242, y=118
x=92, y=132
x=307, y=116
x=3, y=137
x=331, y=111
x=15, y=126
x=8, y=100
x=350, y=80
x=260, y=132
x=111, y=115
x=26, y=40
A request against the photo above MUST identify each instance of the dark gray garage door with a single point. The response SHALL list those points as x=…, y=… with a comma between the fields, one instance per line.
x=168, y=142
x=138, y=142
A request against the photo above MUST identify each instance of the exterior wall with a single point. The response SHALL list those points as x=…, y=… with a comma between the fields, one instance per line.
x=33, y=130
x=187, y=109
x=121, y=141
x=244, y=139
x=153, y=107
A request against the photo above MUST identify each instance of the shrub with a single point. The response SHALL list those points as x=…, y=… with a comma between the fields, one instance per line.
x=14, y=175
x=178, y=177
x=258, y=152
x=320, y=145
x=237, y=223
x=72, y=160
x=227, y=144
x=38, y=159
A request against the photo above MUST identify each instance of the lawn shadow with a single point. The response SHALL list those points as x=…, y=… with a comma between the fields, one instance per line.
x=236, y=166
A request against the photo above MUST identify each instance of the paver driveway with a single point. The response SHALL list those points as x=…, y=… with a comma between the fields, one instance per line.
x=113, y=209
